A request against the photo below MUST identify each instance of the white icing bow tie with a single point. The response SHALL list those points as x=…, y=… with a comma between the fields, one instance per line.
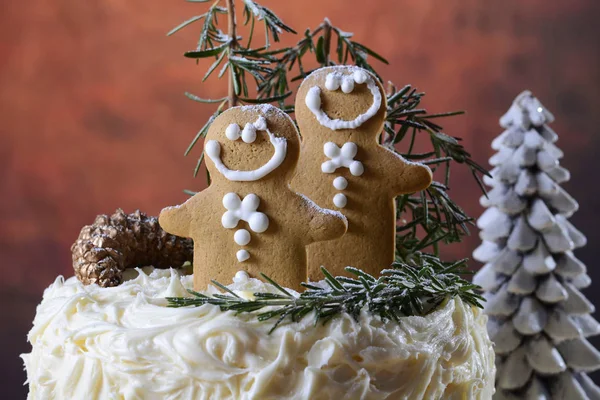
x=244, y=210
x=343, y=157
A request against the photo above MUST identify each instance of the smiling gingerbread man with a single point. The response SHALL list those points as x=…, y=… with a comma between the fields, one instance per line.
x=341, y=111
x=248, y=218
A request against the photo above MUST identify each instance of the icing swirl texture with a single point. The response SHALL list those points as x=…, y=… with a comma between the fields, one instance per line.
x=124, y=343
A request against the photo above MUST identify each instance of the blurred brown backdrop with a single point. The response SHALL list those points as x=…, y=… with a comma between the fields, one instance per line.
x=92, y=115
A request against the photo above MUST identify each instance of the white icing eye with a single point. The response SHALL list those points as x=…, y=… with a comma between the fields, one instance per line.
x=261, y=124
x=313, y=99
x=212, y=148
x=250, y=202
x=356, y=168
x=229, y=220
x=328, y=167
x=241, y=237
x=347, y=84
x=340, y=183
x=233, y=132
x=349, y=150
x=331, y=150
x=249, y=133
x=359, y=76
x=242, y=255
x=340, y=200
x=332, y=82
x=258, y=222
x=231, y=201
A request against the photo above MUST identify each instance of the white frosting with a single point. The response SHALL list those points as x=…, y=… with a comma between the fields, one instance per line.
x=244, y=210
x=334, y=81
x=212, y=148
x=340, y=183
x=241, y=237
x=343, y=157
x=347, y=84
x=124, y=343
x=249, y=133
x=242, y=255
x=233, y=132
x=357, y=168
x=340, y=200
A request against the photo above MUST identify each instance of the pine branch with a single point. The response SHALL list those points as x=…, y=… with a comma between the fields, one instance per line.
x=232, y=93
x=406, y=289
x=431, y=211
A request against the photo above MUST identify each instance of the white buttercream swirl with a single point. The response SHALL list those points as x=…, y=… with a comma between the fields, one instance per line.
x=124, y=343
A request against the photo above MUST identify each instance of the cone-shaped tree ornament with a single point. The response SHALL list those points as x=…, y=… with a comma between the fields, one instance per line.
x=538, y=318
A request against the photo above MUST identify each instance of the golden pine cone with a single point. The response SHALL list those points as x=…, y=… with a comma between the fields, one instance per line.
x=113, y=243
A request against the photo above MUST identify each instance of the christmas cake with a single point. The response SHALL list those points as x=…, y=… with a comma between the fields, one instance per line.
x=410, y=329
x=294, y=274
x=123, y=342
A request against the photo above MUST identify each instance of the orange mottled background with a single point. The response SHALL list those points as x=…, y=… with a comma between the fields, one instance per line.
x=92, y=115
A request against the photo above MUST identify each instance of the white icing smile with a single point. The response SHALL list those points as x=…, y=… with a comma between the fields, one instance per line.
x=212, y=149
x=335, y=81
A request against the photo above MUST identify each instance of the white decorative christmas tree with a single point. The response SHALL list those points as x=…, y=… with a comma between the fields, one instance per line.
x=538, y=318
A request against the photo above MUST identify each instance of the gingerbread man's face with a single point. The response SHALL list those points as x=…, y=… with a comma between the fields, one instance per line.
x=244, y=145
x=342, y=100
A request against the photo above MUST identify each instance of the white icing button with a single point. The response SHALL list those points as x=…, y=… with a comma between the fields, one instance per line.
x=331, y=150
x=241, y=237
x=229, y=220
x=349, y=150
x=359, y=77
x=231, y=201
x=332, y=82
x=340, y=200
x=340, y=183
x=328, y=167
x=233, y=132
x=249, y=133
x=241, y=277
x=258, y=222
x=347, y=84
x=242, y=255
x=250, y=202
x=356, y=168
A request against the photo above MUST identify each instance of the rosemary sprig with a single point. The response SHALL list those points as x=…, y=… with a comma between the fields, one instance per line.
x=431, y=211
x=406, y=289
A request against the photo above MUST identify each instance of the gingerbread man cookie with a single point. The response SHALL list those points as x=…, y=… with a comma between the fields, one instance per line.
x=341, y=111
x=248, y=218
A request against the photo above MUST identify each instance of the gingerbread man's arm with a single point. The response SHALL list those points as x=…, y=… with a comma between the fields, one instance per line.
x=176, y=220
x=406, y=177
x=322, y=224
